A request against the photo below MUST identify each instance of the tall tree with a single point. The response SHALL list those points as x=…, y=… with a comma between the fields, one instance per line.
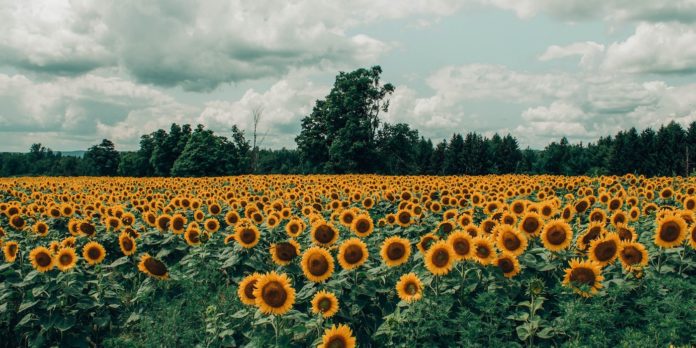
x=103, y=158
x=396, y=145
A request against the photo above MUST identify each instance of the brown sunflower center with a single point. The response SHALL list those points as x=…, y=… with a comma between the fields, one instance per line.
x=41, y=229
x=440, y=257
x=274, y=294
x=582, y=275
x=285, y=251
x=337, y=342
x=506, y=265
x=362, y=226
x=530, y=225
x=294, y=228
x=411, y=288
x=324, y=234
x=348, y=218
x=556, y=236
x=65, y=259
x=247, y=236
x=447, y=227
x=511, y=241
x=591, y=234
x=249, y=289
x=396, y=251
x=94, y=253
x=404, y=217
x=194, y=236
x=670, y=231
x=324, y=304
x=625, y=233
x=12, y=249
x=156, y=267
x=43, y=259
x=178, y=224
x=631, y=255
x=353, y=254
x=127, y=244
x=461, y=246
x=317, y=264
x=483, y=251
x=606, y=250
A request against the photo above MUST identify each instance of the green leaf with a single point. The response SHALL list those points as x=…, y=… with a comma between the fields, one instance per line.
x=119, y=262
x=26, y=305
x=65, y=323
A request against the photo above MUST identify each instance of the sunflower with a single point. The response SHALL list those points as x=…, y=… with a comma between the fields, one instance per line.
x=483, y=250
x=461, y=244
x=594, y=230
x=584, y=277
x=510, y=240
x=531, y=224
x=247, y=235
x=325, y=303
x=508, y=264
x=317, y=264
x=178, y=224
x=273, y=293
x=404, y=218
x=395, y=251
x=426, y=241
x=324, y=234
x=439, y=258
x=352, y=253
x=598, y=215
x=87, y=228
x=338, y=336
x=692, y=237
x=127, y=244
x=245, y=291
x=163, y=222
x=294, y=227
x=346, y=217
x=625, y=232
x=41, y=259
x=283, y=253
x=633, y=256
x=10, y=250
x=17, y=222
x=40, y=228
x=409, y=288
x=93, y=253
x=211, y=225
x=363, y=225
x=604, y=250
x=556, y=235
x=66, y=259
x=153, y=267
x=231, y=218
x=68, y=242
x=671, y=231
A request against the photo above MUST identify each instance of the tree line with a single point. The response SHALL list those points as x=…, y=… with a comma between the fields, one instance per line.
x=344, y=134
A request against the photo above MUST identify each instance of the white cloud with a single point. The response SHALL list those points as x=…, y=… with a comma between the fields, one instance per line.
x=590, y=53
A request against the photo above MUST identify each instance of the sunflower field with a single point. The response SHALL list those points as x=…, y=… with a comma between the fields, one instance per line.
x=348, y=260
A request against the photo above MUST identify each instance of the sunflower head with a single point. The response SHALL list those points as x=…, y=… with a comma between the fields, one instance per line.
x=584, y=277
x=671, y=231
x=41, y=259
x=153, y=267
x=556, y=235
x=246, y=288
x=324, y=234
x=325, y=303
x=439, y=259
x=340, y=336
x=483, y=250
x=395, y=251
x=10, y=250
x=461, y=244
x=508, y=264
x=66, y=259
x=127, y=244
x=362, y=225
x=247, y=235
x=93, y=252
x=409, y=288
x=426, y=241
x=633, y=256
x=531, y=224
x=510, y=240
x=317, y=264
x=283, y=253
x=274, y=294
x=594, y=230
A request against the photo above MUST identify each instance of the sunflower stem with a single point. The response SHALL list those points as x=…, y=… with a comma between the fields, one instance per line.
x=659, y=260
x=437, y=286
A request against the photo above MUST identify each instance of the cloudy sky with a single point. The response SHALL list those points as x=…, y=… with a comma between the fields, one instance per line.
x=74, y=72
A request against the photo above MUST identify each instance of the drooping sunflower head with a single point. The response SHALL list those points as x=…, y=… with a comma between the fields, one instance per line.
x=41, y=259
x=584, y=277
x=395, y=251
x=426, y=241
x=274, y=294
x=531, y=224
x=510, y=240
x=352, y=253
x=246, y=288
x=93, y=252
x=556, y=235
x=633, y=255
x=340, y=336
x=10, y=250
x=508, y=264
x=671, y=231
x=153, y=267
x=461, y=244
x=317, y=264
x=439, y=259
x=604, y=250
x=409, y=288
x=66, y=259
x=283, y=253
x=594, y=230
x=325, y=303
x=362, y=225
x=127, y=244
x=324, y=234
x=483, y=250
